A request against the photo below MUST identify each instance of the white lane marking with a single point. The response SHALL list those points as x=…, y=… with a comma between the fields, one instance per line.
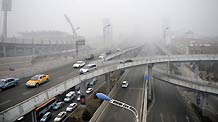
x=161, y=117
x=25, y=93
x=187, y=118
x=5, y=102
x=174, y=117
x=210, y=108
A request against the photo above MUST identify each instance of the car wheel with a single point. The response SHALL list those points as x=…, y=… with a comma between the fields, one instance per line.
x=48, y=80
x=37, y=85
x=1, y=90
x=15, y=84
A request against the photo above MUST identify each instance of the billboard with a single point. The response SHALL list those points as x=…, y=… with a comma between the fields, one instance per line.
x=80, y=42
x=6, y=5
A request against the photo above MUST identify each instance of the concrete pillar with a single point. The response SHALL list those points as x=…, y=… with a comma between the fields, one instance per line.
x=33, y=50
x=34, y=118
x=83, y=88
x=107, y=80
x=196, y=70
x=204, y=102
x=4, y=51
x=150, y=74
x=168, y=68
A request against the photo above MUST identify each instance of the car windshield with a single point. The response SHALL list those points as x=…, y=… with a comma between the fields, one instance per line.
x=35, y=77
x=87, y=67
x=45, y=116
x=79, y=62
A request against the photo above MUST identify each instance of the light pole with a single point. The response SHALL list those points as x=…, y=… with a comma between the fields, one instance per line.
x=104, y=33
x=119, y=104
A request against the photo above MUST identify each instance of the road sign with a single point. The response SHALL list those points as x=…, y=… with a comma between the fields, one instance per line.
x=147, y=78
x=80, y=42
x=6, y=5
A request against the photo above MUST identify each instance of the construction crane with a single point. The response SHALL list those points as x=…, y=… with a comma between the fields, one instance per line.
x=69, y=21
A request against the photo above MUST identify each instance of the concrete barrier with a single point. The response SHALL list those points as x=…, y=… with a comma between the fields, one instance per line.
x=15, y=62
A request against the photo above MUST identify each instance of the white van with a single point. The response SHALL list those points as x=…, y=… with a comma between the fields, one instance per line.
x=69, y=96
x=88, y=68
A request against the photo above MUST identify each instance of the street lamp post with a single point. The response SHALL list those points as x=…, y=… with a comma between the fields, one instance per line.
x=104, y=33
x=119, y=104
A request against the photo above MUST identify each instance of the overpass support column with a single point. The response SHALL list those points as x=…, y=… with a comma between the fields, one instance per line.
x=150, y=74
x=33, y=113
x=4, y=51
x=33, y=50
x=204, y=104
x=15, y=50
x=83, y=88
x=196, y=70
x=107, y=79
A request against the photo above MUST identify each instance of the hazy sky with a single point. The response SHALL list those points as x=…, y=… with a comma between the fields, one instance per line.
x=135, y=17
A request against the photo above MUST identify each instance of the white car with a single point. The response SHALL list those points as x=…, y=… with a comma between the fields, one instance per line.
x=71, y=107
x=60, y=116
x=78, y=98
x=88, y=68
x=69, y=96
x=102, y=56
x=89, y=90
x=124, y=84
x=79, y=64
x=78, y=92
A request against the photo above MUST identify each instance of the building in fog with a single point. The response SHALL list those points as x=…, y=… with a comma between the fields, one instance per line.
x=194, y=46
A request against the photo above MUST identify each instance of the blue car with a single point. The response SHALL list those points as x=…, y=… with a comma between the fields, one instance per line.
x=47, y=116
x=58, y=105
x=8, y=82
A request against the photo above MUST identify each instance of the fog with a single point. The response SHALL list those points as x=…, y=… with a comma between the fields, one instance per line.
x=136, y=18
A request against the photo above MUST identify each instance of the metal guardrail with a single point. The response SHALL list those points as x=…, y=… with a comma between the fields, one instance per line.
x=20, y=109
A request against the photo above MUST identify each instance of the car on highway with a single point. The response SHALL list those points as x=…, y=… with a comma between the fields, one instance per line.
x=124, y=84
x=69, y=96
x=46, y=117
x=37, y=80
x=127, y=61
x=88, y=68
x=89, y=90
x=77, y=88
x=60, y=116
x=78, y=98
x=71, y=107
x=58, y=105
x=78, y=92
x=79, y=64
x=92, y=83
x=108, y=52
x=90, y=57
x=8, y=82
x=102, y=56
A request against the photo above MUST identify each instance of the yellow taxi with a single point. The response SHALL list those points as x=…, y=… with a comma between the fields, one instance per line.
x=36, y=80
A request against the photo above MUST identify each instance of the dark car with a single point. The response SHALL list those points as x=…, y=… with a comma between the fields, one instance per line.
x=108, y=52
x=8, y=82
x=127, y=61
x=90, y=57
x=47, y=116
x=58, y=105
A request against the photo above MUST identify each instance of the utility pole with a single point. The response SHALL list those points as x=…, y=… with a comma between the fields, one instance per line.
x=6, y=6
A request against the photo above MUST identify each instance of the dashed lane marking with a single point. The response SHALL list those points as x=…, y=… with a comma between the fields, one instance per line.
x=5, y=102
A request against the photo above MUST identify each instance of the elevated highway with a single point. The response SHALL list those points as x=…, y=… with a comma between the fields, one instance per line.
x=26, y=106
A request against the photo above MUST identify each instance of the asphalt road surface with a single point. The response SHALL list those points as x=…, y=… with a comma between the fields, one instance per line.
x=12, y=96
x=168, y=105
x=131, y=95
